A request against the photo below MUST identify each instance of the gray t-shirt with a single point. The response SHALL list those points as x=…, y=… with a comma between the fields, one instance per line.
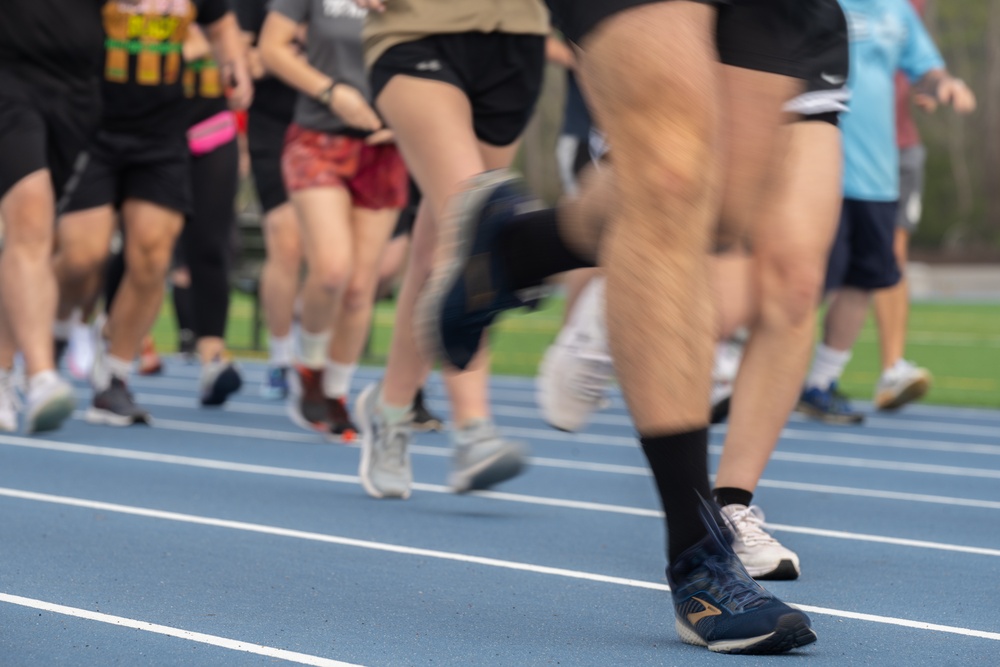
x=333, y=46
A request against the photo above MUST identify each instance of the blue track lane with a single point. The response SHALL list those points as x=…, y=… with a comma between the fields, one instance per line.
x=233, y=524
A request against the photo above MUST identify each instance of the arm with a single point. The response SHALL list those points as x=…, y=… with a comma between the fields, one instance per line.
x=939, y=87
x=923, y=64
x=230, y=52
x=279, y=52
x=559, y=52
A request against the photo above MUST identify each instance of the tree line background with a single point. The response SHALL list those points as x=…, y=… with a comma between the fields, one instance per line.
x=961, y=219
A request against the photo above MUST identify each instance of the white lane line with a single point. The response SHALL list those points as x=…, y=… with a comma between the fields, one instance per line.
x=894, y=466
x=445, y=555
x=335, y=478
x=879, y=493
x=212, y=640
x=788, y=434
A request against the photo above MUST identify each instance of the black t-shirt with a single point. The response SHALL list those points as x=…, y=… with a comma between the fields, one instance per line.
x=143, y=66
x=271, y=96
x=204, y=91
x=59, y=40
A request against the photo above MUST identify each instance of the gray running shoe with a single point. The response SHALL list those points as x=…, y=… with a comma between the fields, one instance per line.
x=10, y=401
x=385, y=462
x=115, y=406
x=483, y=459
x=48, y=405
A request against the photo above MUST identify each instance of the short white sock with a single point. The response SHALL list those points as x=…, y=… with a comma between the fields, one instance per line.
x=282, y=349
x=312, y=348
x=393, y=414
x=110, y=367
x=827, y=367
x=337, y=378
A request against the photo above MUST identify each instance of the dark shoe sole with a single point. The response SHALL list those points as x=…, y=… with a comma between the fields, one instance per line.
x=226, y=384
x=786, y=571
x=828, y=418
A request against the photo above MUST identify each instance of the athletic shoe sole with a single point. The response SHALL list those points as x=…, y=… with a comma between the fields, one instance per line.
x=786, y=570
x=364, y=423
x=456, y=234
x=913, y=392
x=498, y=468
x=51, y=415
x=720, y=411
x=791, y=632
x=107, y=418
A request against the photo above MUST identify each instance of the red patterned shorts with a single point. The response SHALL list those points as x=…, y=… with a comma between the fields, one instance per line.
x=375, y=176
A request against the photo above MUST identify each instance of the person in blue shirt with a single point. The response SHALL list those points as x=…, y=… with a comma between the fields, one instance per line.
x=885, y=36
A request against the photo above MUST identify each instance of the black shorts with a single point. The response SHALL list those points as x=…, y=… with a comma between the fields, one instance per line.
x=44, y=128
x=123, y=166
x=862, y=254
x=825, y=57
x=500, y=73
x=266, y=139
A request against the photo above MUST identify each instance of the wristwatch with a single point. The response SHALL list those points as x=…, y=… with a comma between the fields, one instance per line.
x=326, y=95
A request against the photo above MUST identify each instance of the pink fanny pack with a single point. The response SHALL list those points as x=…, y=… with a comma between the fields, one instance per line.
x=211, y=133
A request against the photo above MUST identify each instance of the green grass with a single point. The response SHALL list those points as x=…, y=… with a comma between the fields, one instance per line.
x=959, y=343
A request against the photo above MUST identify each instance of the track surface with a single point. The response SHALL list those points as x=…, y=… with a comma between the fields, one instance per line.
x=228, y=537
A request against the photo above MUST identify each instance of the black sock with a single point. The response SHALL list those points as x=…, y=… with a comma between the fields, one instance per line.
x=680, y=467
x=533, y=249
x=729, y=495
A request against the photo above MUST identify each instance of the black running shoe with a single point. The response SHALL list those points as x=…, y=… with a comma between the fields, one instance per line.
x=115, y=406
x=423, y=419
x=342, y=427
x=471, y=288
x=219, y=380
x=719, y=606
x=306, y=402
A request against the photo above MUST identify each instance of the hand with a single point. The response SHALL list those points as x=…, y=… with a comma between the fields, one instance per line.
x=947, y=90
x=241, y=91
x=383, y=136
x=371, y=5
x=350, y=105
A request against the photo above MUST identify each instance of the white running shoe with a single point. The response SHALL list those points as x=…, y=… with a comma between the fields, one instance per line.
x=483, y=458
x=10, y=401
x=49, y=402
x=762, y=555
x=80, y=353
x=385, y=468
x=576, y=370
x=903, y=383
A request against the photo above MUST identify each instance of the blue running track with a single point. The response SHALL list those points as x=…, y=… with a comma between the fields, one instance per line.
x=228, y=537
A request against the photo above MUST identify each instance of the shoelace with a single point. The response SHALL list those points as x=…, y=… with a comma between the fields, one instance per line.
x=748, y=524
x=732, y=587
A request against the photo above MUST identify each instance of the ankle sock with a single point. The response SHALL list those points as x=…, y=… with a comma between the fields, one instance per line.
x=827, y=367
x=728, y=495
x=337, y=378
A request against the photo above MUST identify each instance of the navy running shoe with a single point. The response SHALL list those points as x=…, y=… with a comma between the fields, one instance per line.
x=719, y=606
x=469, y=286
x=828, y=405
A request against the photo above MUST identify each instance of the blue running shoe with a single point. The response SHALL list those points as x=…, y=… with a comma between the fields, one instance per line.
x=275, y=384
x=469, y=286
x=828, y=405
x=719, y=606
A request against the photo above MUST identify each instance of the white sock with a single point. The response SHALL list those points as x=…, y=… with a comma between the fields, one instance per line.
x=282, y=350
x=312, y=348
x=393, y=414
x=337, y=378
x=828, y=365
x=110, y=367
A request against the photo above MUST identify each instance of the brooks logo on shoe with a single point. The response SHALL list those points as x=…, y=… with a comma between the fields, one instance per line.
x=707, y=611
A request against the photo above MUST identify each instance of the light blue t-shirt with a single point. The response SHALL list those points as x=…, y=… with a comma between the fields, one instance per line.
x=886, y=35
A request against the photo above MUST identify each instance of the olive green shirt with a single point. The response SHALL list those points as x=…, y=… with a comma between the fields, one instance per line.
x=410, y=20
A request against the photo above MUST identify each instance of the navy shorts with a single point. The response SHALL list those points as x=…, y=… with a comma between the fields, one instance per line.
x=862, y=254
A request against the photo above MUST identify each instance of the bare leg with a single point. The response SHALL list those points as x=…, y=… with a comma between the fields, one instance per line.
x=442, y=152
x=279, y=277
x=150, y=233
x=84, y=239
x=27, y=284
x=791, y=244
x=370, y=231
x=845, y=317
x=892, y=307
